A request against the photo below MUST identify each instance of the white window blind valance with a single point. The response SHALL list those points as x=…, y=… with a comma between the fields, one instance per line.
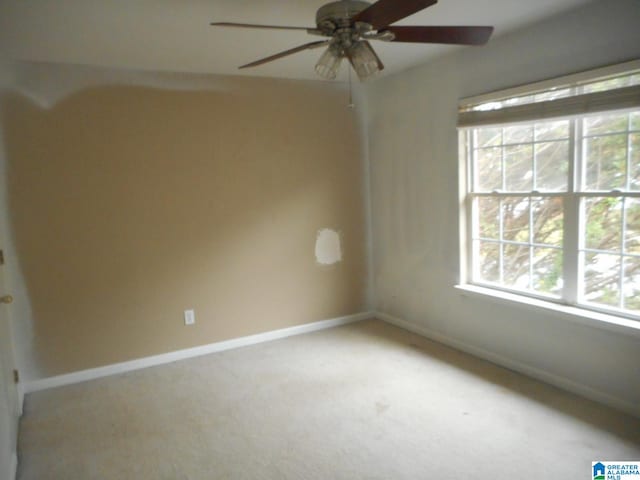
x=609, y=88
x=582, y=104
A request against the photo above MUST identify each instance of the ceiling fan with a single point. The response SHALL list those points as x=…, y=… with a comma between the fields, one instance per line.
x=350, y=24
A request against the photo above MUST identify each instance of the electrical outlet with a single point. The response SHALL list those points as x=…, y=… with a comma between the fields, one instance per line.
x=189, y=317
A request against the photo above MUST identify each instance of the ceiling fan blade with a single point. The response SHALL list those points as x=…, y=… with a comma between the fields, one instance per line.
x=386, y=12
x=251, y=25
x=291, y=51
x=451, y=35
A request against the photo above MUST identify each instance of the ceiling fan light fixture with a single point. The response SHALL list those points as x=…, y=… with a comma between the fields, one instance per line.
x=350, y=24
x=364, y=60
x=329, y=63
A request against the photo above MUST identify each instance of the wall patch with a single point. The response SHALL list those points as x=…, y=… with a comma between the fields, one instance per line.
x=328, y=248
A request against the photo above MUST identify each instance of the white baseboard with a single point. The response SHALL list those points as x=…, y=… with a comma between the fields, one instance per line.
x=93, y=373
x=13, y=469
x=542, y=375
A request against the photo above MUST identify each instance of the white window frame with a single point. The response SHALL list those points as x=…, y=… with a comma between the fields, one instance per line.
x=572, y=198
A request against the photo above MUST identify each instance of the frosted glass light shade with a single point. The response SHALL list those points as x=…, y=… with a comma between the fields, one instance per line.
x=364, y=60
x=329, y=64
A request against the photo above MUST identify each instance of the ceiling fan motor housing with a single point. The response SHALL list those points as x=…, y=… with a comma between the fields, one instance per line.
x=338, y=14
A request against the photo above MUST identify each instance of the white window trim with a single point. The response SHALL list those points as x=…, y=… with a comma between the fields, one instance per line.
x=584, y=314
x=603, y=321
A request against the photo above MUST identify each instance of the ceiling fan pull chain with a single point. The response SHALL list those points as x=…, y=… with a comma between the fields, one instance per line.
x=351, y=104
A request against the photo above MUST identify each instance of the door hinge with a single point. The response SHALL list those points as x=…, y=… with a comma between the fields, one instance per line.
x=16, y=376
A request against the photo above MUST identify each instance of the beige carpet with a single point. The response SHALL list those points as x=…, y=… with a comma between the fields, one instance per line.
x=365, y=401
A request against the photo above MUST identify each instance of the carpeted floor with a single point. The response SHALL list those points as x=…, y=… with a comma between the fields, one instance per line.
x=365, y=401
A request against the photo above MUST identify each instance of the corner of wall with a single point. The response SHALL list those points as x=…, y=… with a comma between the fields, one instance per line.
x=20, y=312
x=362, y=119
x=13, y=470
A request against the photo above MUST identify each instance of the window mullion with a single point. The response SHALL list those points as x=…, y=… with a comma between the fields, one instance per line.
x=531, y=286
x=572, y=218
x=471, y=205
x=627, y=184
x=623, y=242
x=501, y=238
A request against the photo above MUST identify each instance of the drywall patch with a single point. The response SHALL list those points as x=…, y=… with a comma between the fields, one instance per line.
x=328, y=248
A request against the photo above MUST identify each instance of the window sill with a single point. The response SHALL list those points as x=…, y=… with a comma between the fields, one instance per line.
x=579, y=315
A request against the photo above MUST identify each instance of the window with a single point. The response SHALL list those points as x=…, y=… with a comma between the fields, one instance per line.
x=553, y=191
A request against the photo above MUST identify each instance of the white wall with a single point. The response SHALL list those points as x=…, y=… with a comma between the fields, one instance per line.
x=8, y=409
x=414, y=182
x=20, y=309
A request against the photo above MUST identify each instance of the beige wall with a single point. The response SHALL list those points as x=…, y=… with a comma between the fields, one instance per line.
x=130, y=204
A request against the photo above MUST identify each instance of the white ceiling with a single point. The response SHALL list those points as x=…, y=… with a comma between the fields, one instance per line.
x=174, y=35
